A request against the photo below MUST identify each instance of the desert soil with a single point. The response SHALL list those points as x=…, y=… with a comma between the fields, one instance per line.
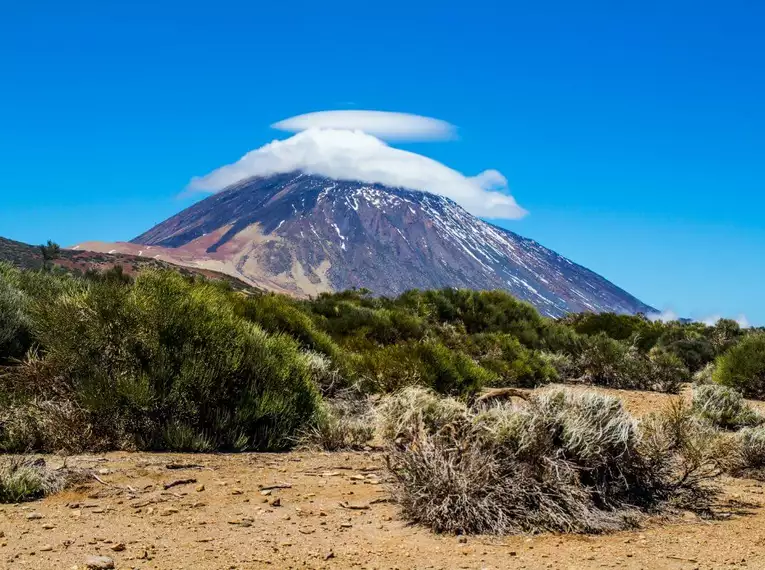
x=328, y=510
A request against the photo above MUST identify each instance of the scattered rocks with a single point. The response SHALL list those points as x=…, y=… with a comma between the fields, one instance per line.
x=99, y=562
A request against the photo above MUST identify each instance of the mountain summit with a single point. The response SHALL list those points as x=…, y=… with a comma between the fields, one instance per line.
x=304, y=234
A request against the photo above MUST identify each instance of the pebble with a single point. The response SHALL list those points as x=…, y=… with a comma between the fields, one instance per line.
x=200, y=488
x=119, y=547
x=34, y=516
x=46, y=548
x=99, y=562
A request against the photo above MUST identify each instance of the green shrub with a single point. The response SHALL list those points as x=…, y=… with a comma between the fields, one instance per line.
x=25, y=479
x=168, y=363
x=723, y=407
x=611, y=363
x=743, y=366
x=429, y=363
x=15, y=325
x=279, y=314
x=513, y=363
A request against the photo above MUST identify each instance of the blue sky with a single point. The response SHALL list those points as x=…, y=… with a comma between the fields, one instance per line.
x=634, y=133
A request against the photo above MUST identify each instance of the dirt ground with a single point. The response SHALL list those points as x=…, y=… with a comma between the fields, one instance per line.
x=322, y=510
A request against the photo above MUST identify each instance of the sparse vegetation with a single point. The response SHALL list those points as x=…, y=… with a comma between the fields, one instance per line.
x=723, y=407
x=562, y=461
x=25, y=479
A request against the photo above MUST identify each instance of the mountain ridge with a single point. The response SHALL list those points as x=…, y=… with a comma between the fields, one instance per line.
x=304, y=234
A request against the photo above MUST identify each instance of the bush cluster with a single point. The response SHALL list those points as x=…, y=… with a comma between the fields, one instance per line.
x=562, y=461
x=163, y=360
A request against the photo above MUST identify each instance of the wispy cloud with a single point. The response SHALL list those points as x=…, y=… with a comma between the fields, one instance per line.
x=742, y=321
x=382, y=124
x=665, y=316
x=355, y=155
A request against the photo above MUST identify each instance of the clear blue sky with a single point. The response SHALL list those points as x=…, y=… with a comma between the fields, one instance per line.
x=634, y=132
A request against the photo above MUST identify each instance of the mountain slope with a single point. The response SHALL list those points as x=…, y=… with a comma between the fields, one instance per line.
x=80, y=260
x=305, y=234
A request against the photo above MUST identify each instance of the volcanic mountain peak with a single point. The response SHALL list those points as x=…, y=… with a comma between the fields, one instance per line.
x=304, y=234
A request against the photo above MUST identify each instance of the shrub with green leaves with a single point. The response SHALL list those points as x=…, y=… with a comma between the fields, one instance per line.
x=26, y=479
x=15, y=325
x=167, y=363
x=743, y=366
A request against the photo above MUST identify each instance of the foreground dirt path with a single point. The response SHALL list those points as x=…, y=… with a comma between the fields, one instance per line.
x=332, y=512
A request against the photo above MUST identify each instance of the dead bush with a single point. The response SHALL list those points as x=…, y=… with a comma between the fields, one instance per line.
x=564, y=462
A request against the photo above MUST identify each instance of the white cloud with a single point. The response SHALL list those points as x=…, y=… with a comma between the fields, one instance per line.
x=665, y=316
x=354, y=155
x=382, y=124
x=711, y=321
x=743, y=322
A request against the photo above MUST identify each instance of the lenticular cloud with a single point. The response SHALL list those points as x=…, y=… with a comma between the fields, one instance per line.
x=355, y=155
x=382, y=124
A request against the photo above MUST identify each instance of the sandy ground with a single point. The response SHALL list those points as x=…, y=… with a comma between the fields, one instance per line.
x=330, y=511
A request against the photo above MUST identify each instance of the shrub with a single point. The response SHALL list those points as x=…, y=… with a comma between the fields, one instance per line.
x=15, y=325
x=167, y=363
x=279, y=314
x=750, y=448
x=414, y=410
x=24, y=479
x=513, y=363
x=343, y=423
x=429, y=363
x=723, y=407
x=743, y=366
x=666, y=372
x=608, y=362
x=565, y=462
x=704, y=376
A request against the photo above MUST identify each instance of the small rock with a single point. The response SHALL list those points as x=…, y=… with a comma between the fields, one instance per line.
x=34, y=516
x=103, y=471
x=462, y=540
x=99, y=562
x=277, y=502
x=237, y=492
x=48, y=526
x=46, y=548
x=200, y=488
x=168, y=512
x=329, y=555
x=119, y=547
x=266, y=493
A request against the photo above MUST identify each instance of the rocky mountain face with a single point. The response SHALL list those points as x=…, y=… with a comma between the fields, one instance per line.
x=305, y=234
